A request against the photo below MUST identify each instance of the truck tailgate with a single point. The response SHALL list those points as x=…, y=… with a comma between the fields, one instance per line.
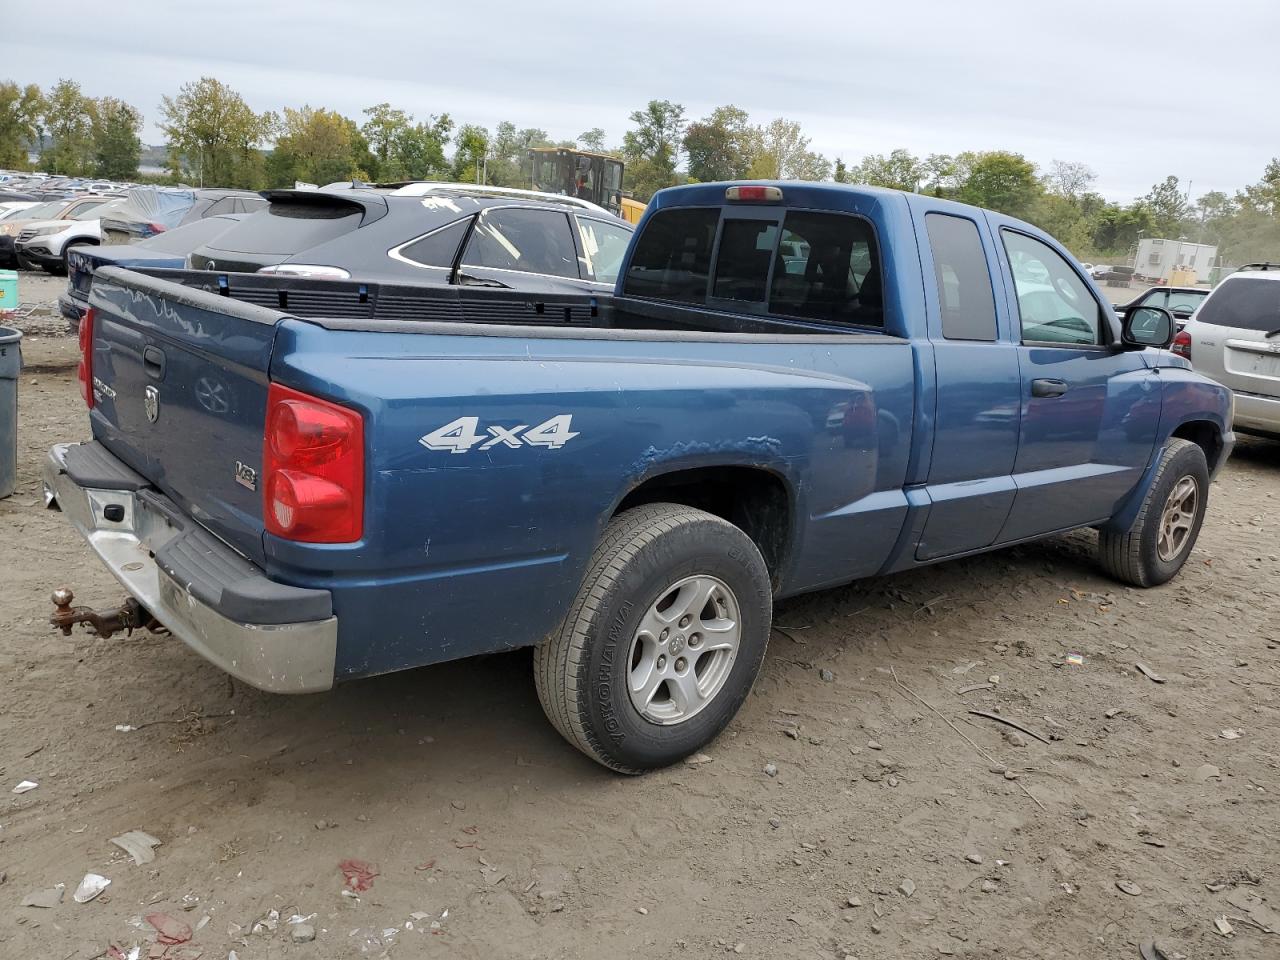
x=180, y=391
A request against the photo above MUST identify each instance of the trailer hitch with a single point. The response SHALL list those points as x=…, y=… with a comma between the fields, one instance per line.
x=129, y=616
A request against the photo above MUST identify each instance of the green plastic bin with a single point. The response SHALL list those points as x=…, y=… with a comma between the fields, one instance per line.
x=8, y=289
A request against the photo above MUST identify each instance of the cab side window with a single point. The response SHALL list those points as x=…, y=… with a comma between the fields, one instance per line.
x=964, y=283
x=1054, y=304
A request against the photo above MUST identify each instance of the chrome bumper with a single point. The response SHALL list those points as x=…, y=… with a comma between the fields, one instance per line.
x=277, y=657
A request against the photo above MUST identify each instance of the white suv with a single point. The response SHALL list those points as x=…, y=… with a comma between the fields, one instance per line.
x=44, y=243
x=1234, y=337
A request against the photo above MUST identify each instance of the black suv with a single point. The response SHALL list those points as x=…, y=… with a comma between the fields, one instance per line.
x=427, y=233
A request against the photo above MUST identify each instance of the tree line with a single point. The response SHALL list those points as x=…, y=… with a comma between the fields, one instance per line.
x=216, y=139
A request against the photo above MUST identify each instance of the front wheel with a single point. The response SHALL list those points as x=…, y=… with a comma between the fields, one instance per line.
x=1161, y=537
x=663, y=641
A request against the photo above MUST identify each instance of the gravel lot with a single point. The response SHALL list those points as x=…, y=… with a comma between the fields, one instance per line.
x=1149, y=811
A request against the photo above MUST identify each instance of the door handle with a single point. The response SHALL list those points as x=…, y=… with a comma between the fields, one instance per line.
x=1048, y=388
x=153, y=362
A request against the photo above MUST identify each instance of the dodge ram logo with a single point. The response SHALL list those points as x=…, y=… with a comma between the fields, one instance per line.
x=151, y=403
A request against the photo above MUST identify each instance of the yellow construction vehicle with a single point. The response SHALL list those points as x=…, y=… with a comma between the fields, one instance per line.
x=596, y=177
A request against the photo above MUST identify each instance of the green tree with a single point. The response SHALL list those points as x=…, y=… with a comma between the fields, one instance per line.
x=382, y=130
x=1264, y=196
x=841, y=173
x=721, y=146
x=1069, y=179
x=472, y=147
x=214, y=135
x=418, y=151
x=938, y=174
x=592, y=139
x=900, y=170
x=316, y=146
x=69, y=117
x=783, y=154
x=1169, y=207
x=1000, y=180
x=509, y=151
x=652, y=149
x=21, y=110
x=117, y=148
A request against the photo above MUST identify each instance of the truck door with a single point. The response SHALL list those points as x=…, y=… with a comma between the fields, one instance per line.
x=970, y=482
x=1089, y=411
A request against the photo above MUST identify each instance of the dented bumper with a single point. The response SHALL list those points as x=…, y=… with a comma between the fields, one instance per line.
x=273, y=636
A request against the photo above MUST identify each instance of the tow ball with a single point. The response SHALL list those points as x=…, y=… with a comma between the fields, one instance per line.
x=129, y=616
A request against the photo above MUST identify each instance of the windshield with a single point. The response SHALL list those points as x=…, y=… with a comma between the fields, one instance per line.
x=45, y=211
x=90, y=210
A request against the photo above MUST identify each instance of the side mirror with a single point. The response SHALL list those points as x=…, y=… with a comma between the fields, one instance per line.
x=1147, y=327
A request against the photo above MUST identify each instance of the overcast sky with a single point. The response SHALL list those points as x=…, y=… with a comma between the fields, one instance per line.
x=1135, y=90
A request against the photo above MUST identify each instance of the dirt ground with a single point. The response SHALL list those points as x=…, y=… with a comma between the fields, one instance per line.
x=898, y=825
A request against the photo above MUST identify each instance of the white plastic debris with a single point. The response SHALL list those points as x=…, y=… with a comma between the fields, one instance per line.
x=92, y=885
x=125, y=728
x=138, y=845
x=25, y=786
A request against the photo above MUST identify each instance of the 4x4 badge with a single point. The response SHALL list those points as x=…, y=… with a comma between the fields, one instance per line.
x=151, y=403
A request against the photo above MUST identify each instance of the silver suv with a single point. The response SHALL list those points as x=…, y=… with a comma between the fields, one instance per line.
x=1234, y=337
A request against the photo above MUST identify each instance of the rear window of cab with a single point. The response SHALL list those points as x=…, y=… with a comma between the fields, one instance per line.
x=802, y=264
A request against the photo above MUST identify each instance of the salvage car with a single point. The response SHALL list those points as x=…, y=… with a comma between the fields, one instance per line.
x=439, y=234
x=624, y=482
x=1182, y=302
x=11, y=228
x=149, y=211
x=164, y=250
x=1234, y=337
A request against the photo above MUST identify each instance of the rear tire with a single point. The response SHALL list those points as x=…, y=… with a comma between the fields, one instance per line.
x=1163, y=534
x=663, y=641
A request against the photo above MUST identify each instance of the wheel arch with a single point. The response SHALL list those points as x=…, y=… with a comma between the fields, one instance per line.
x=1207, y=436
x=756, y=499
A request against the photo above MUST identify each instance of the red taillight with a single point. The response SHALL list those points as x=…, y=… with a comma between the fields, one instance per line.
x=1182, y=344
x=84, y=371
x=313, y=469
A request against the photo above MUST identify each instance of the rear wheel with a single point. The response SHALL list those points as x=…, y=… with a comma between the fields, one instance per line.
x=663, y=641
x=1161, y=537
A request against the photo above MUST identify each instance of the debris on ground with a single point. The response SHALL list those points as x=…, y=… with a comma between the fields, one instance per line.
x=1149, y=673
x=138, y=845
x=302, y=933
x=770, y=769
x=1129, y=887
x=1005, y=720
x=1206, y=772
x=45, y=899
x=92, y=885
x=169, y=930
x=698, y=759
x=358, y=874
x=26, y=786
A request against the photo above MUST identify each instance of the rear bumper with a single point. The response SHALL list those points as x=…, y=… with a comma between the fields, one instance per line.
x=71, y=310
x=209, y=596
x=1257, y=414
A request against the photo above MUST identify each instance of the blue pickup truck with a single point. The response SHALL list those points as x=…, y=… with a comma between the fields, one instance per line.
x=793, y=386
